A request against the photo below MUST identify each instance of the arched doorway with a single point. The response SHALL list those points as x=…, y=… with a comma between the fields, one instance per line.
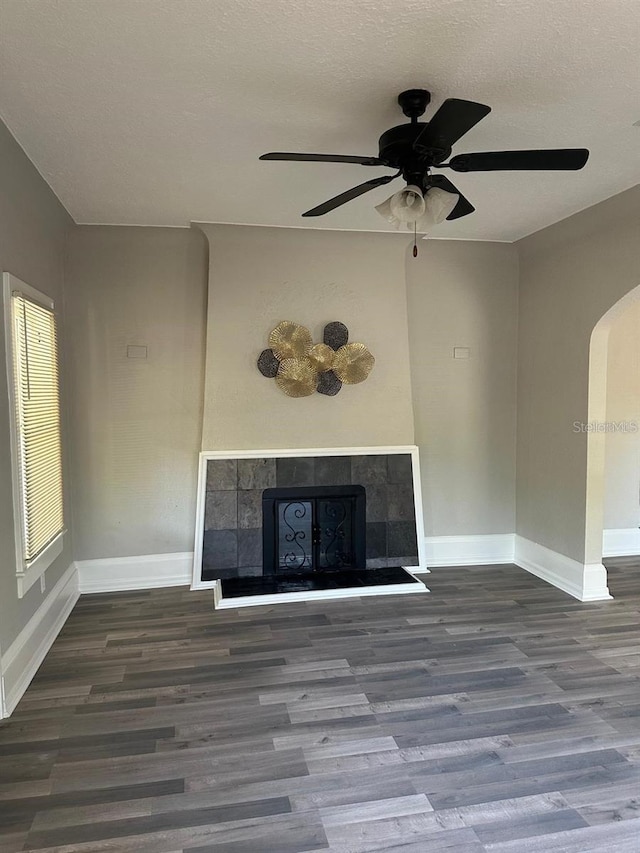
x=597, y=414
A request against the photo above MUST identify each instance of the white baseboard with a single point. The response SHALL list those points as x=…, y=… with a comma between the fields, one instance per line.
x=623, y=542
x=481, y=550
x=149, y=571
x=21, y=660
x=586, y=582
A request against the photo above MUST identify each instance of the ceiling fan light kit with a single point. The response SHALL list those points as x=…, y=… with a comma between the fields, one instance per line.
x=418, y=211
x=414, y=149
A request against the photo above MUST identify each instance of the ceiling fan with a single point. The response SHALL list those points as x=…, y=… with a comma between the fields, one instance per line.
x=414, y=149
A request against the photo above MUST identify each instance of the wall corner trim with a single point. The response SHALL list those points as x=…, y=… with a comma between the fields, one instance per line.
x=147, y=571
x=470, y=550
x=584, y=581
x=21, y=660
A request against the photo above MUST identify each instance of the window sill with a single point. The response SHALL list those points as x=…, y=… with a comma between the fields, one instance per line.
x=35, y=571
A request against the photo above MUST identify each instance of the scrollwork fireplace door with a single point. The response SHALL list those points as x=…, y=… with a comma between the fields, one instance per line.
x=313, y=529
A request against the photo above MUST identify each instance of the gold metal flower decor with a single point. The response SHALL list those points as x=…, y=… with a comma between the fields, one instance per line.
x=301, y=367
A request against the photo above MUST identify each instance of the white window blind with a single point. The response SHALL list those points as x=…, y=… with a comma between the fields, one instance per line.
x=37, y=403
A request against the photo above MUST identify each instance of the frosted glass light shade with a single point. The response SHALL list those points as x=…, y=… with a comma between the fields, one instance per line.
x=404, y=207
x=409, y=206
x=438, y=205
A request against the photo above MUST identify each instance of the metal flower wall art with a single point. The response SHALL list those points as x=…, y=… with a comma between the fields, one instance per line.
x=301, y=367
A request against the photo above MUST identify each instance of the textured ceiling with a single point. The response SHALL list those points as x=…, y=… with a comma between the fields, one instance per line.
x=155, y=111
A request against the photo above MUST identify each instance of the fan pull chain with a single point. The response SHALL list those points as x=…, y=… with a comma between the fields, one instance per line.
x=415, y=245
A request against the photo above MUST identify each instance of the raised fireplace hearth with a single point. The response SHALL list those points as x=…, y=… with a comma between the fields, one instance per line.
x=313, y=529
x=273, y=589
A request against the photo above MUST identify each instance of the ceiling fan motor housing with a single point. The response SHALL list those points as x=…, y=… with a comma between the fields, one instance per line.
x=396, y=148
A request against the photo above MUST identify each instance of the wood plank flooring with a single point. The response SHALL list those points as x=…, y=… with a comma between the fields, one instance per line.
x=496, y=715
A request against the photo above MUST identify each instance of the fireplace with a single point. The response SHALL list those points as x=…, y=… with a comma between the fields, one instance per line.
x=313, y=529
x=244, y=495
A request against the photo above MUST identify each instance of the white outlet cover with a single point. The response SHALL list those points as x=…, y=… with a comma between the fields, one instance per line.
x=461, y=352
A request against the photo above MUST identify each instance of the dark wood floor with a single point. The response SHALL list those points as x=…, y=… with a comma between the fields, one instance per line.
x=496, y=714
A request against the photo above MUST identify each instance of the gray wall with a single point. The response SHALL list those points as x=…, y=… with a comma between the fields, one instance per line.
x=622, y=460
x=146, y=286
x=571, y=274
x=135, y=423
x=465, y=294
x=260, y=276
x=33, y=225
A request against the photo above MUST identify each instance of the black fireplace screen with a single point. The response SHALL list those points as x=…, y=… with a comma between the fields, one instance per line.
x=309, y=529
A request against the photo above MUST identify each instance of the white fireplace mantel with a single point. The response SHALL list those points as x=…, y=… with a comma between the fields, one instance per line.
x=206, y=455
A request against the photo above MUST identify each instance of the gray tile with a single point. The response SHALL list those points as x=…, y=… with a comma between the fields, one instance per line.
x=376, y=540
x=380, y=563
x=220, y=549
x=250, y=508
x=368, y=469
x=333, y=470
x=256, y=473
x=405, y=560
x=250, y=572
x=400, y=505
x=210, y=574
x=376, y=503
x=399, y=469
x=222, y=474
x=249, y=547
x=402, y=539
x=221, y=511
x=295, y=471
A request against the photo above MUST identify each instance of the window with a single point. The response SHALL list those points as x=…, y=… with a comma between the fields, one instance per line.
x=34, y=393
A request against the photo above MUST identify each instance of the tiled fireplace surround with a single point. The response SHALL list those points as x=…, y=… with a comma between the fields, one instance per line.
x=231, y=502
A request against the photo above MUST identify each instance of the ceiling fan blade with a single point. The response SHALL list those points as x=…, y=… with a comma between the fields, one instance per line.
x=344, y=197
x=323, y=158
x=463, y=207
x=491, y=161
x=454, y=118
